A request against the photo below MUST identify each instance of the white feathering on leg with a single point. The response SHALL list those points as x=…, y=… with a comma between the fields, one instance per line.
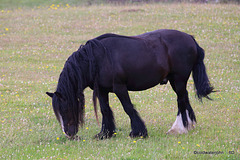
x=178, y=127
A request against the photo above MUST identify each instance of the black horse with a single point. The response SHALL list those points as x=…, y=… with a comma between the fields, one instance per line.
x=118, y=64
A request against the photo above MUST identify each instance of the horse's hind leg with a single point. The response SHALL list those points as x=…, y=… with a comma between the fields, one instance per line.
x=185, y=117
x=137, y=125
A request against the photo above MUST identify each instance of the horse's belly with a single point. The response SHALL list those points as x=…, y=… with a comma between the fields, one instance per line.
x=141, y=87
x=143, y=81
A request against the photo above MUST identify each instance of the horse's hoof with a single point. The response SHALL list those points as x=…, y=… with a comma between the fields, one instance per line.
x=182, y=130
x=74, y=138
x=138, y=134
x=104, y=135
x=174, y=131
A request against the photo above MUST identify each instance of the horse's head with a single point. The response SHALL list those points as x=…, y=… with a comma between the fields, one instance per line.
x=78, y=73
x=68, y=116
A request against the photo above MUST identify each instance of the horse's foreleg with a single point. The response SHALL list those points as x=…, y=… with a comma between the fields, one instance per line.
x=108, y=125
x=137, y=124
x=185, y=120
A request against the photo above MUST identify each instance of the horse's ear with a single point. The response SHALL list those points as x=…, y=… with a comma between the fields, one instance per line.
x=50, y=94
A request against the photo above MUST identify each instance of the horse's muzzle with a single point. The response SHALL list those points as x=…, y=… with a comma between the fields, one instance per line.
x=71, y=131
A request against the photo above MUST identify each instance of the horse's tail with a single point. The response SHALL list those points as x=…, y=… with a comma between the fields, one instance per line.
x=201, y=82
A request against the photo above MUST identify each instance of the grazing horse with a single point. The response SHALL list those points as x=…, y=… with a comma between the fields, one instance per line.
x=118, y=64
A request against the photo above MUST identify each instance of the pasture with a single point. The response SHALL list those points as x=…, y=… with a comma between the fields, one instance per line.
x=35, y=43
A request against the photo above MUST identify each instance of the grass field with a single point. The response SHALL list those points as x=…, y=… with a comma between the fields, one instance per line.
x=35, y=42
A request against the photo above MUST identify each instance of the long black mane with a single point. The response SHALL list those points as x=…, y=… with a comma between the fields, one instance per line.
x=79, y=71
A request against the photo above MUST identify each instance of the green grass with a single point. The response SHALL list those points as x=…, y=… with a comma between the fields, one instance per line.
x=35, y=42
